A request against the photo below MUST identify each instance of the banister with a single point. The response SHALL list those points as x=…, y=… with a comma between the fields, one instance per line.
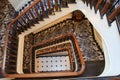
x=7, y=34
x=21, y=14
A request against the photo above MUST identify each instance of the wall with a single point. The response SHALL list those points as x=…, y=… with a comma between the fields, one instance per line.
x=110, y=39
x=18, y=4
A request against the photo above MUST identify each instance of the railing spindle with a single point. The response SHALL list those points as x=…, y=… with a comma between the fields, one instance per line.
x=99, y=2
x=38, y=15
x=57, y=5
x=112, y=16
x=106, y=7
x=33, y=18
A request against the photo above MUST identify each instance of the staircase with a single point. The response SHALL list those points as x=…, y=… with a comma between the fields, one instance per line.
x=36, y=12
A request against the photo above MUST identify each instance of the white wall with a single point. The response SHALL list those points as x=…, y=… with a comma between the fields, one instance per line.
x=18, y=4
x=110, y=36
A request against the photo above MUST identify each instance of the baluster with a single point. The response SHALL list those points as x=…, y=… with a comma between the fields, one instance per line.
x=13, y=41
x=11, y=55
x=12, y=38
x=21, y=25
x=87, y=1
x=40, y=11
x=26, y=16
x=34, y=12
x=21, y=21
x=99, y=2
x=57, y=5
x=42, y=8
x=30, y=20
x=24, y=20
x=49, y=4
x=11, y=71
x=91, y=3
x=43, y=5
x=30, y=23
x=33, y=18
x=16, y=28
x=13, y=46
x=9, y=60
x=38, y=15
x=112, y=16
x=15, y=31
x=105, y=7
x=11, y=50
x=11, y=65
x=29, y=16
x=11, y=32
x=50, y=7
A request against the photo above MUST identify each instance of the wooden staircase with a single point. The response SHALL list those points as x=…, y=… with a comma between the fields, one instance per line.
x=36, y=12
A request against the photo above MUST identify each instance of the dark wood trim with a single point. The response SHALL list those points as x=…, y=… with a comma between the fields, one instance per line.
x=112, y=16
x=99, y=2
